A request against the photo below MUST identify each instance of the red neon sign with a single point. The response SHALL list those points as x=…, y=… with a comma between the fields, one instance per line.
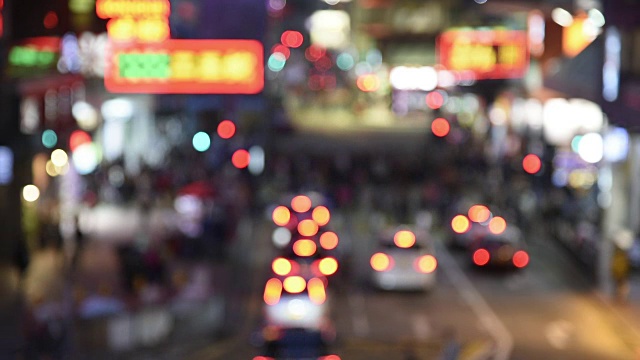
x=488, y=54
x=186, y=67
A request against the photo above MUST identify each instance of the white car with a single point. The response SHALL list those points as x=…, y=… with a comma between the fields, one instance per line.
x=404, y=260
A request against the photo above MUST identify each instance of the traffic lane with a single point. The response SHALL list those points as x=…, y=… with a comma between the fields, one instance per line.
x=550, y=308
x=375, y=324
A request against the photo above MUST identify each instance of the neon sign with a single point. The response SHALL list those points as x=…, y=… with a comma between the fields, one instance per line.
x=35, y=52
x=186, y=67
x=489, y=54
x=136, y=20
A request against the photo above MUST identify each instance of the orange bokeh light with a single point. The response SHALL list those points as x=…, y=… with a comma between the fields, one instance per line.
x=317, y=293
x=497, y=225
x=272, y=291
x=427, y=264
x=240, y=159
x=304, y=247
x=381, y=262
x=479, y=213
x=404, y=239
x=281, y=215
x=226, y=129
x=531, y=163
x=281, y=266
x=460, y=224
x=294, y=284
x=440, y=127
x=328, y=266
x=329, y=240
x=368, y=82
x=321, y=215
x=301, y=203
x=307, y=227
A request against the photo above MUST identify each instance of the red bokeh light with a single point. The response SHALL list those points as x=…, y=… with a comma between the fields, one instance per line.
x=78, y=138
x=520, y=259
x=434, y=100
x=50, y=20
x=226, y=129
x=440, y=127
x=292, y=39
x=240, y=159
x=314, y=53
x=531, y=163
x=481, y=257
x=282, y=49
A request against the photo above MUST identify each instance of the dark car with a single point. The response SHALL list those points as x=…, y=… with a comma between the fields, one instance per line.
x=505, y=249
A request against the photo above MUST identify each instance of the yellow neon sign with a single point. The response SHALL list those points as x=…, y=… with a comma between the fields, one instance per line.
x=132, y=8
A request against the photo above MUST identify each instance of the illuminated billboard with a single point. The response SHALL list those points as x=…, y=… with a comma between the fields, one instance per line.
x=179, y=66
x=488, y=54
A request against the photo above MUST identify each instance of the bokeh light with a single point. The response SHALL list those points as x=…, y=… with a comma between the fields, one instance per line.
x=440, y=127
x=49, y=138
x=201, y=141
x=520, y=259
x=497, y=225
x=317, y=294
x=314, y=52
x=531, y=163
x=460, y=224
x=381, y=262
x=86, y=158
x=59, y=157
x=282, y=49
x=226, y=129
x=404, y=239
x=345, y=61
x=481, y=257
x=281, y=215
x=329, y=240
x=276, y=62
x=328, y=266
x=240, y=158
x=30, y=193
x=281, y=266
x=301, y=203
x=281, y=237
x=292, y=39
x=368, y=82
x=272, y=291
x=304, y=247
x=77, y=138
x=321, y=215
x=307, y=227
x=434, y=100
x=479, y=213
x=294, y=284
x=427, y=264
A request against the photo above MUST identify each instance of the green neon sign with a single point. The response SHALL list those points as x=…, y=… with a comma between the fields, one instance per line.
x=144, y=66
x=30, y=57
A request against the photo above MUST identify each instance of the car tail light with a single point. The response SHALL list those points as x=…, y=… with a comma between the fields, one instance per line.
x=317, y=293
x=404, y=239
x=263, y=358
x=272, y=291
x=330, y=357
x=426, y=264
x=328, y=266
x=481, y=257
x=294, y=284
x=520, y=259
x=381, y=262
x=281, y=266
x=304, y=247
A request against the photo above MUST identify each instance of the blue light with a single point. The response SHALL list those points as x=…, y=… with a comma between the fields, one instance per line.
x=345, y=61
x=201, y=141
x=6, y=165
x=49, y=138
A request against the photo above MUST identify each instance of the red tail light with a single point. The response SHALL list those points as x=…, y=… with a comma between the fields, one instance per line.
x=328, y=266
x=426, y=264
x=330, y=357
x=381, y=262
x=520, y=259
x=272, y=291
x=481, y=257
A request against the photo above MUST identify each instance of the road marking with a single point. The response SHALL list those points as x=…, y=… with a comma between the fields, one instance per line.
x=558, y=333
x=488, y=318
x=421, y=326
x=358, y=315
